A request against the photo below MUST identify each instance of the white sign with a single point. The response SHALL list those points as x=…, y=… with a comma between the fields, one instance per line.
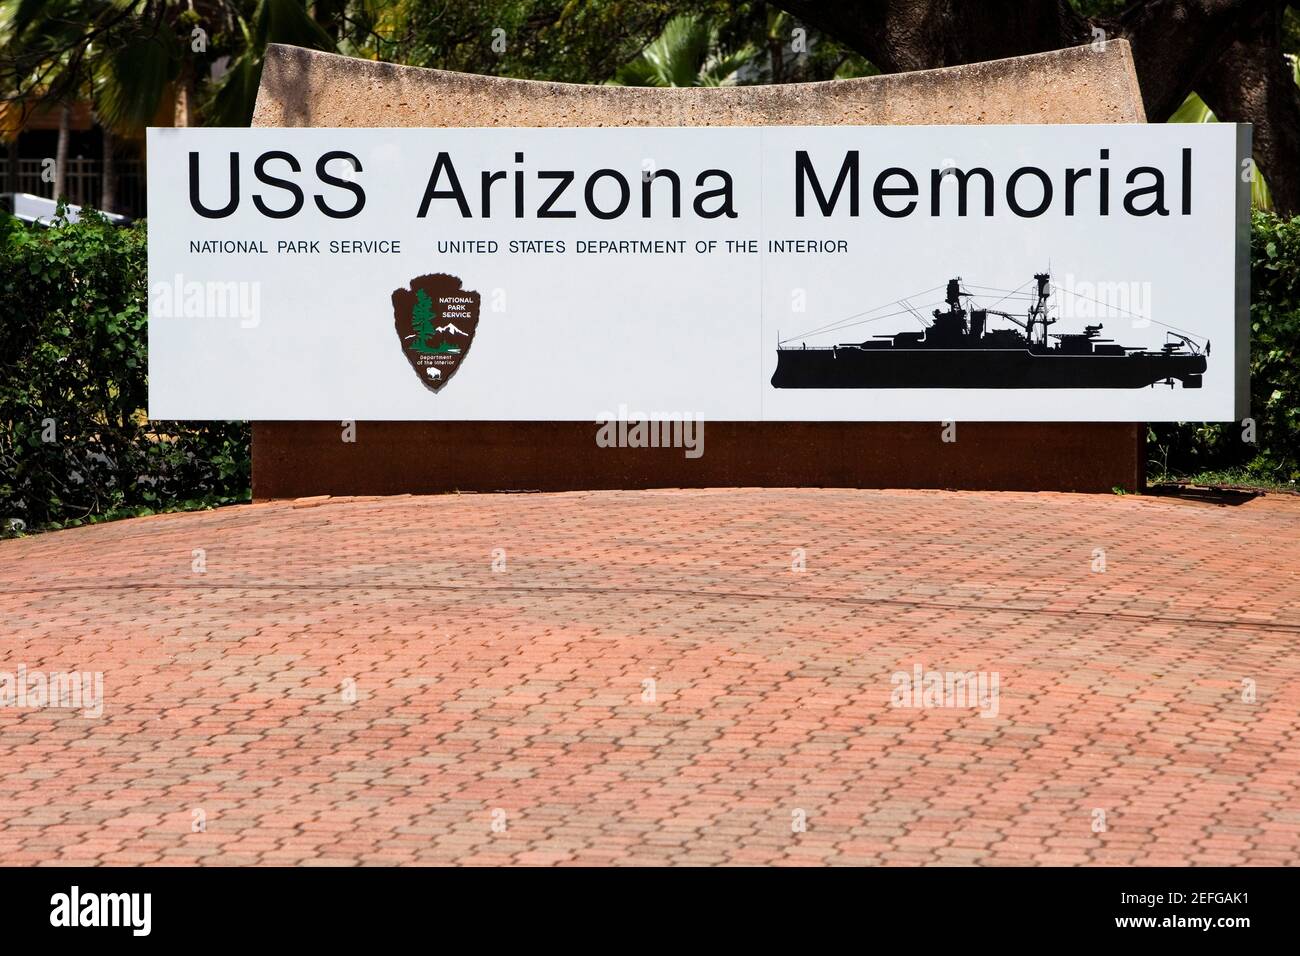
x=995, y=273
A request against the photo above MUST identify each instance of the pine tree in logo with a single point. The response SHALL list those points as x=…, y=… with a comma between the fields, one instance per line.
x=423, y=320
x=435, y=318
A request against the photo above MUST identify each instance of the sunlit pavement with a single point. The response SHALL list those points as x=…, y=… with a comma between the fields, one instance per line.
x=648, y=677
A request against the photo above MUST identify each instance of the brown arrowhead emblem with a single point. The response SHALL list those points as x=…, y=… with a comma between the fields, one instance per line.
x=435, y=320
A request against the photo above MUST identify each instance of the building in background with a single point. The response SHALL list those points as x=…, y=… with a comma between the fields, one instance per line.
x=54, y=152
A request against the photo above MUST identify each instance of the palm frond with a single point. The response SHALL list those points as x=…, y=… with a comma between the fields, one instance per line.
x=130, y=81
x=676, y=55
x=236, y=93
x=685, y=53
x=722, y=70
x=287, y=21
x=1194, y=110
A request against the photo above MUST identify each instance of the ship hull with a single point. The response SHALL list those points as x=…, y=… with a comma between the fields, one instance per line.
x=854, y=367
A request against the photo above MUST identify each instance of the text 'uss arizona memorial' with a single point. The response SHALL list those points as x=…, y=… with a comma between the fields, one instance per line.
x=605, y=193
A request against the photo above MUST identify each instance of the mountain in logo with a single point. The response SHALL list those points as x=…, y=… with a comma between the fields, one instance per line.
x=435, y=351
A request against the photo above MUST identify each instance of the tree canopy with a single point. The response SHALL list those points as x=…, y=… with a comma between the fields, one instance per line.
x=134, y=57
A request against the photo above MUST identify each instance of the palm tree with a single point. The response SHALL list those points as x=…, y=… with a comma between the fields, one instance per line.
x=271, y=21
x=66, y=51
x=686, y=53
x=61, y=153
x=130, y=57
x=778, y=25
x=53, y=65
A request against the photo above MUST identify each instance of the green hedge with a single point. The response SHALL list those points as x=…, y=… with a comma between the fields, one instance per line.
x=75, y=445
x=1188, y=449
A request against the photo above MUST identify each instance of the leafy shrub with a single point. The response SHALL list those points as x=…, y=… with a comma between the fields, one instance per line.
x=75, y=444
x=1190, y=449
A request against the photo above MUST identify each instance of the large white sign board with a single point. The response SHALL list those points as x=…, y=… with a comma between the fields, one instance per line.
x=582, y=274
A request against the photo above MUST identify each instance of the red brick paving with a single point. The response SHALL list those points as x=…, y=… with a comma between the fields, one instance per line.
x=520, y=690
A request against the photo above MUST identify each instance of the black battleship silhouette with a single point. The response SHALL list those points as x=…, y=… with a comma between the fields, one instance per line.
x=959, y=350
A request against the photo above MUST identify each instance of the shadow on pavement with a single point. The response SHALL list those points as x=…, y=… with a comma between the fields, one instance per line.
x=1208, y=496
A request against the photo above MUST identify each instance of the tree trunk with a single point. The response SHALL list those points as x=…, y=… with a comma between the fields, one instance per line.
x=1229, y=51
x=774, y=50
x=900, y=35
x=183, y=108
x=1252, y=83
x=108, y=192
x=11, y=166
x=61, y=154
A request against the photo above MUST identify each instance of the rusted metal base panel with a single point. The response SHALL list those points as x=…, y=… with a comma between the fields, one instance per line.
x=302, y=459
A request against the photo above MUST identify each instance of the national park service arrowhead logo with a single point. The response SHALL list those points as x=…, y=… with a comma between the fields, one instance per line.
x=435, y=320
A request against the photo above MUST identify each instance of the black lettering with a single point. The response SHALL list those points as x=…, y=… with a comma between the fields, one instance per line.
x=880, y=191
x=197, y=204
x=937, y=177
x=1047, y=192
x=1157, y=189
x=803, y=170
x=1103, y=207
x=565, y=176
x=259, y=170
x=648, y=179
x=1071, y=177
x=724, y=191
x=519, y=188
x=455, y=192
x=488, y=179
x=324, y=175
x=624, y=193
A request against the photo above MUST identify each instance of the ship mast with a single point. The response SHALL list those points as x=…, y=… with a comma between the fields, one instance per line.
x=954, y=295
x=1038, y=311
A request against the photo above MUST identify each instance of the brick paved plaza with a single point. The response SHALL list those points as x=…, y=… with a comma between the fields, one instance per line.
x=465, y=679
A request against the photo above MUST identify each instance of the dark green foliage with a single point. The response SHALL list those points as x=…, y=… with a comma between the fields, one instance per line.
x=73, y=369
x=75, y=445
x=422, y=319
x=1190, y=449
x=526, y=39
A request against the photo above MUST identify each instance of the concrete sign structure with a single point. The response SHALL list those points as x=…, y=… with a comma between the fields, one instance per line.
x=1086, y=85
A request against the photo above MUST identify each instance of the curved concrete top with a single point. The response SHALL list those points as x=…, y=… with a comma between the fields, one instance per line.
x=1079, y=85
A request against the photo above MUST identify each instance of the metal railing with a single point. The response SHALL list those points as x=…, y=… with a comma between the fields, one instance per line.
x=83, y=182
